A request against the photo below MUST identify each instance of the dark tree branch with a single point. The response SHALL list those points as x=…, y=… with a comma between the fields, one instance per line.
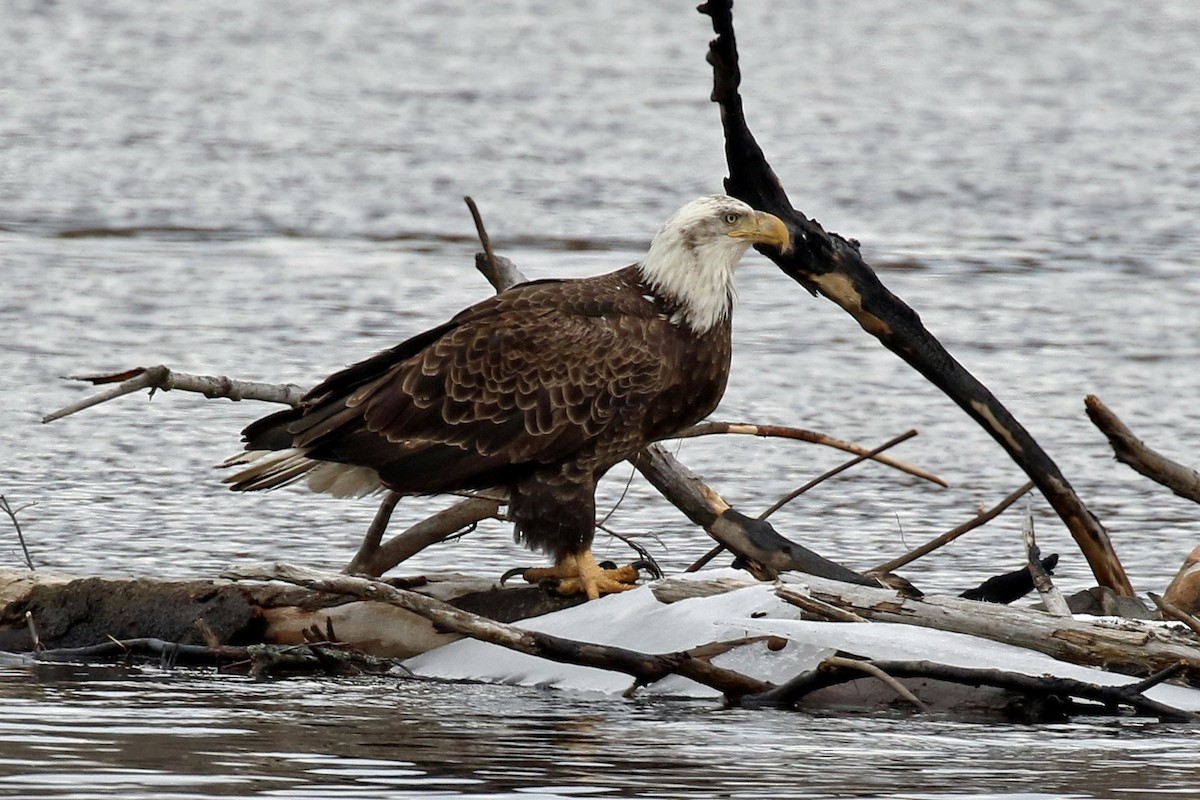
x=951, y=535
x=826, y=264
x=834, y=671
x=1131, y=451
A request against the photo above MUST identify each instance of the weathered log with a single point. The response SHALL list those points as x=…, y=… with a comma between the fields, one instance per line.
x=1128, y=647
x=831, y=266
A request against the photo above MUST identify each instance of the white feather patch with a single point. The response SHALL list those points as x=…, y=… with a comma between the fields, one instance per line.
x=270, y=469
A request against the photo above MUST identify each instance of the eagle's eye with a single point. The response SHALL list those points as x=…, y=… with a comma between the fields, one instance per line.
x=732, y=218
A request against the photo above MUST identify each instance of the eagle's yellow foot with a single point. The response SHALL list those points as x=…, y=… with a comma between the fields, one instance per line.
x=580, y=574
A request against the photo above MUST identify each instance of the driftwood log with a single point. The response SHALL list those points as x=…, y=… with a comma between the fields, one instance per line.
x=338, y=624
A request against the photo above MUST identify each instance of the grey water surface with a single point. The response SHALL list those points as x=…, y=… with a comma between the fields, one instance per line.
x=272, y=191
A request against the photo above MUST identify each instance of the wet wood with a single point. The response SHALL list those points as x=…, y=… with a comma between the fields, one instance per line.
x=831, y=266
x=1056, y=690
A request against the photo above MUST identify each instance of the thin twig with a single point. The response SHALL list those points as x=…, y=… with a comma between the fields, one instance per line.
x=801, y=434
x=951, y=535
x=7, y=509
x=843, y=467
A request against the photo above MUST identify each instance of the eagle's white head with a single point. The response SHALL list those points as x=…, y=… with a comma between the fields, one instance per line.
x=693, y=256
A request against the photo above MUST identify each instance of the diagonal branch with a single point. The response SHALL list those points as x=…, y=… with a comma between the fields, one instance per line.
x=1131, y=451
x=829, y=265
x=803, y=435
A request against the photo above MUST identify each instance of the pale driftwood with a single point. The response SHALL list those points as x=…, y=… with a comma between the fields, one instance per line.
x=1132, y=451
x=1052, y=598
x=951, y=535
x=165, y=379
x=800, y=434
x=1128, y=647
x=645, y=668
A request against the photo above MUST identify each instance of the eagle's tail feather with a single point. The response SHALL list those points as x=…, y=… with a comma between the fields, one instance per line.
x=270, y=469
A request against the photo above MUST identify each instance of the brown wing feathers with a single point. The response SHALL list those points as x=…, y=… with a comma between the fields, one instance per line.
x=528, y=377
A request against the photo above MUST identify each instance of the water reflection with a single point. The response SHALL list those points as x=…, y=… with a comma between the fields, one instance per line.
x=144, y=733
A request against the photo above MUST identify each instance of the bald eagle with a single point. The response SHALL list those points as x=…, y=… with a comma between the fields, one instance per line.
x=538, y=390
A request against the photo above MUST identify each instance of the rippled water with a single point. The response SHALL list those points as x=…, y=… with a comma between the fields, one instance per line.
x=230, y=189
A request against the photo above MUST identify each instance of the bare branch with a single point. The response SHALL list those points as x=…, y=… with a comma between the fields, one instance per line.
x=12, y=514
x=160, y=377
x=1130, y=450
x=951, y=535
x=800, y=434
x=1052, y=598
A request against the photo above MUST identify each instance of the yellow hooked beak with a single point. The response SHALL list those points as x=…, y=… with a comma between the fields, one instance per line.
x=764, y=228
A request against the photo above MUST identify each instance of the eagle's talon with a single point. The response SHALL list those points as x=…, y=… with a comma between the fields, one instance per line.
x=512, y=572
x=649, y=566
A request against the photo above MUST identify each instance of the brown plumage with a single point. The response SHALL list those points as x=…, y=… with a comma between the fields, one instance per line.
x=539, y=389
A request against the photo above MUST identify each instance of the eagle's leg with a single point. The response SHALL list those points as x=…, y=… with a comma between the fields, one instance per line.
x=555, y=512
x=578, y=573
